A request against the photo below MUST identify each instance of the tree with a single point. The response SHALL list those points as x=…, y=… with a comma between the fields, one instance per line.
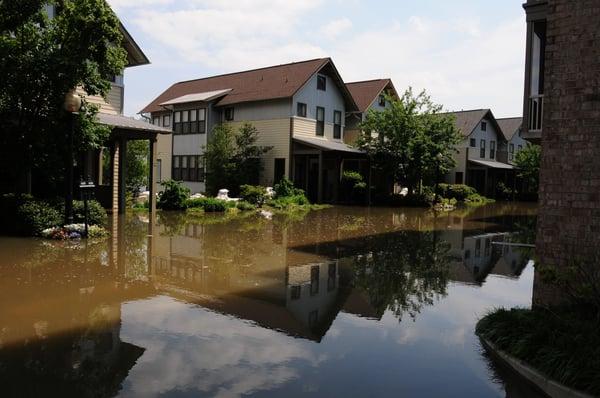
x=137, y=166
x=405, y=141
x=232, y=159
x=41, y=59
x=528, y=163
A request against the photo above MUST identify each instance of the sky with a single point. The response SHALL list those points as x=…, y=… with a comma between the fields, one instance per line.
x=467, y=54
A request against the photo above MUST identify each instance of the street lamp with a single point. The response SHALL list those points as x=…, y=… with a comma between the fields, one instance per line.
x=439, y=158
x=72, y=105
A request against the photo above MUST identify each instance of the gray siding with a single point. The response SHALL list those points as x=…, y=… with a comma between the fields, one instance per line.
x=264, y=110
x=331, y=99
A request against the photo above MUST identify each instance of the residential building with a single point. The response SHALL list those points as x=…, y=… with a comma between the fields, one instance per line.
x=110, y=181
x=480, y=157
x=562, y=63
x=298, y=109
x=368, y=95
x=513, y=134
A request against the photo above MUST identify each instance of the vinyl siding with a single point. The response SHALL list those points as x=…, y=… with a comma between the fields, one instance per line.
x=112, y=105
x=274, y=133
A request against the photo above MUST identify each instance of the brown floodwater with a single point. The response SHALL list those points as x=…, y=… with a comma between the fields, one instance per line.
x=342, y=302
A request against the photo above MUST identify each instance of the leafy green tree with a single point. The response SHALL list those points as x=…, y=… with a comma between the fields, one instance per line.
x=42, y=59
x=232, y=159
x=528, y=162
x=137, y=166
x=411, y=141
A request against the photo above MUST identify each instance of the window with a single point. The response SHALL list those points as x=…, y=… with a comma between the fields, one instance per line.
x=202, y=120
x=458, y=179
x=511, y=151
x=296, y=292
x=188, y=168
x=279, y=171
x=483, y=126
x=331, y=277
x=337, y=124
x=478, y=248
x=519, y=148
x=229, y=114
x=177, y=127
x=321, y=83
x=320, y=121
x=193, y=121
x=492, y=149
x=482, y=149
x=185, y=120
x=381, y=100
x=473, y=143
x=156, y=121
x=314, y=280
x=301, y=109
x=167, y=120
x=158, y=170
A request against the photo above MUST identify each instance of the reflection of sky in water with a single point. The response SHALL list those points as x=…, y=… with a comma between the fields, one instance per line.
x=195, y=352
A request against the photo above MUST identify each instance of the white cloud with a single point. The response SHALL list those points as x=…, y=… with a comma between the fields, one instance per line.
x=335, y=28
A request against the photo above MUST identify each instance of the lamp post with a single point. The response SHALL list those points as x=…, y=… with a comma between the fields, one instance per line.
x=72, y=105
x=439, y=157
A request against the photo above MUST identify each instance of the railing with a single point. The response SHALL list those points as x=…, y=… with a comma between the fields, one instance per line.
x=536, y=113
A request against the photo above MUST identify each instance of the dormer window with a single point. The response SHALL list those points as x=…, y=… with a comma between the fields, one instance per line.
x=229, y=114
x=483, y=126
x=321, y=83
x=382, y=100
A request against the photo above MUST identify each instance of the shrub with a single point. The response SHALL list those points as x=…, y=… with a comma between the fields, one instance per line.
x=286, y=202
x=459, y=192
x=354, y=186
x=476, y=199
x=254, y=194
x=210, y=205
x=96, y=213
x=32, y=217
x=286, y=188
x=245, y=206
x=173, y=197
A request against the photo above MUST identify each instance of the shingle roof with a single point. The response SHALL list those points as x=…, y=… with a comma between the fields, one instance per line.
x=365, y=92
x=466, y=121
x=274, y=82
x=510, y=126
x=129, y=123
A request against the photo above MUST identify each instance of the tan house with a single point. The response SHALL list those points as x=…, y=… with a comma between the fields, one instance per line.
x=298, y=108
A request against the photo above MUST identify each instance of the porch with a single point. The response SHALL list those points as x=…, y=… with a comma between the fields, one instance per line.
x=484, y=175
x=318, y=164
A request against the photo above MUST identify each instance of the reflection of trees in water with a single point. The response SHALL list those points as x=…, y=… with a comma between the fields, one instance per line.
x=408, y=271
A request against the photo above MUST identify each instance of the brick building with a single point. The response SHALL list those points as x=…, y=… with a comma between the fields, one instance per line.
x=562, y=111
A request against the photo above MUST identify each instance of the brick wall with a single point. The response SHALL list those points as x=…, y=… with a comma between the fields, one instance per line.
x=569, y=217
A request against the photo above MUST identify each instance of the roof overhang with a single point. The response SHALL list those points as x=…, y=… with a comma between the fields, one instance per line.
x=135, y=55
x=197, y=97
x=129, y=124
x=493, y=164
x=326, y=145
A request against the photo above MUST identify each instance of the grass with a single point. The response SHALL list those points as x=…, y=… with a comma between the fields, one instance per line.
x=563, y=343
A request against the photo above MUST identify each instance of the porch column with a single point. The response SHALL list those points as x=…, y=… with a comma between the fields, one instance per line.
x=115, y=160
x=122, y=174
x=320, y=179
x=152, y=179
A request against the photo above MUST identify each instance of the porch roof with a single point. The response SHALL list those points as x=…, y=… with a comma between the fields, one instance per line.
x=492, y=164
x=129, y=123
x=326, y=145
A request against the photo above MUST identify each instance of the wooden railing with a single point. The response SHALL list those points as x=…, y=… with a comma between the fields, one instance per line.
x=536, y=113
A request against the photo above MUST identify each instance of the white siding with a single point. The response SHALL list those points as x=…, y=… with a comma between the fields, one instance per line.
x=489, y=135
x=112, y=105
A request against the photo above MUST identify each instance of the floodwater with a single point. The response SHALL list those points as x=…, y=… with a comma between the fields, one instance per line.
x=343, y=302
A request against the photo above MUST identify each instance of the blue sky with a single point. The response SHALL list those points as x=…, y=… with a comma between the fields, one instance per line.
x=465, y=53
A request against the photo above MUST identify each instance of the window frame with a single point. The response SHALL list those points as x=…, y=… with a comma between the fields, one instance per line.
x=337, y=127
x=492, y=149
x=482, y=147
x=166, y=120
x=483, y=126
x=301, y=109
x=320, y=125
x=321, y=83
x=381, y=100
x=156, y=120
x=229, y=114
x=473, y=143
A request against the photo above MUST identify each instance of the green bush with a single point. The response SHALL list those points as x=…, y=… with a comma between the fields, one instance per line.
x=245, y=206
x=354, y=186
x=210, y=205
x=476, y=199
x=96, y=213
x=173, y=197
x=286, y=202
x=254, y=194
x=286, y=188
x=459, y=192
x=32, y=217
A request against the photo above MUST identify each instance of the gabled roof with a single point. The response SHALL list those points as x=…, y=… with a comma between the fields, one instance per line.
x=467, y=121
x=510, y=126
x=274, y=82
x=365, y=92
x=135, y=55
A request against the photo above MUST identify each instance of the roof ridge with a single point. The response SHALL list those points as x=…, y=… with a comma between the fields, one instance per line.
x=512, y=117
x=368, y=81
x=469, y=110
x=251, y=70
